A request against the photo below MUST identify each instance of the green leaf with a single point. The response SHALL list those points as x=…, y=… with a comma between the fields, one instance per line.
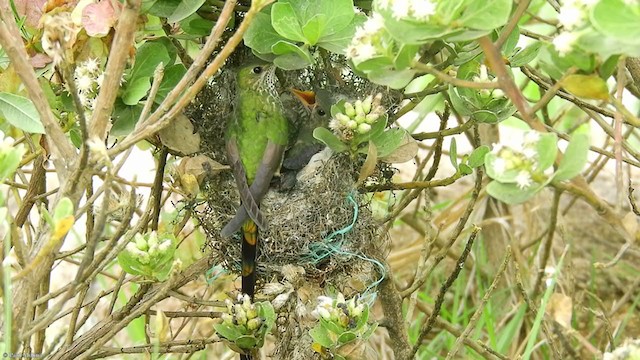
x=267, y=312
x=313, y=28
x=63, y=209
x=586, y=86
x=125, y=118
x=227, y=331
x=485, y=116
x=260, y=35
x=412, y=33
x=20, y=112
x=196, y=25
x=486, y=15
x=547, y=149
x=338, y=13
x=9, y=161
x=461, y=105
x=172, y=76
x=329, y=139
x=291, y=61
x=526, y=55
x=185, y=8
x=347, y=337
x=575, y=157
x=405, y=56
x=338, y=42
x=285, y=22
x=389, y=141
x=511, y=193
x=453, y=153
x=617, y=19
x=129, y=265
x=395, y=79
x=465, y=169
x=320, y=335
x=367, y=334
x=148, y=56
x=163, y=8
x=136, y=89
x=246, y=342
x=476, y=158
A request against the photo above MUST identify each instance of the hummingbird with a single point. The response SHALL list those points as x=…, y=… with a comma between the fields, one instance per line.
x=257, y=136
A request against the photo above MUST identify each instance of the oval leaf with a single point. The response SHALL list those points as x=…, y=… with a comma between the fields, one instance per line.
x=574, y=158
x=586, y=86
x=20, y=112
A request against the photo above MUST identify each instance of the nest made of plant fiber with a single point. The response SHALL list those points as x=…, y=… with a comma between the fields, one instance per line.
x=312, y=226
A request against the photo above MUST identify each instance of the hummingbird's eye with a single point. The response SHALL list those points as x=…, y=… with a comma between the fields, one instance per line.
x=257, y=70
x=321, y=112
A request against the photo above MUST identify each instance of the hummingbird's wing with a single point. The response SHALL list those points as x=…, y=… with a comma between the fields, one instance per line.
x=249, y=202
x=269, y=164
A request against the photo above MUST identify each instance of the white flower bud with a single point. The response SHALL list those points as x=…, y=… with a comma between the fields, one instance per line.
x=253, y=324
x=344, y=119
x=153, y=238
x=359, y=109
x=143, y=258
x=364, y=128
x=228, y=319
x=246, y=302
x=324, y=313
x=371, y=118
x=141, y=243
x=229, y=304
x=252, y=313
x=349, y=109
x=366, y=104
x=340, y=298
x=352, y=124
x=357, y=311
x=131, y=248
x=360, y=118
x=377, y=100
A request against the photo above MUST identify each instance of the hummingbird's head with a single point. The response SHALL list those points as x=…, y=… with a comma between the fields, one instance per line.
x=258, y=77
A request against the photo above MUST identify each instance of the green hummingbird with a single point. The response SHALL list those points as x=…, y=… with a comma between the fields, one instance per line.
x=256, y=139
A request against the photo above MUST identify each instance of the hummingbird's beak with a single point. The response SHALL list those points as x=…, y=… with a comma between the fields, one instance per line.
x=307, y=98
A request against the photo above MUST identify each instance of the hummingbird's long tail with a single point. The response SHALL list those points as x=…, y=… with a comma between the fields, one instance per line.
x=249, y=250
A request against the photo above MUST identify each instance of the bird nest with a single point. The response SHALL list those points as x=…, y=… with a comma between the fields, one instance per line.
x=323, y=224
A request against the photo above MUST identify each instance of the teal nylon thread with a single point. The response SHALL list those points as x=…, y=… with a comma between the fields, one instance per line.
x=214, y=273
x=321, y=250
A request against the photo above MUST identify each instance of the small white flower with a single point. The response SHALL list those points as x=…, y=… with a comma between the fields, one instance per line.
x=571, y=15
x=361, y=51
x=91, y=65
x=164, y=246
x=85, y=83
x=374, y=24
x=423, y=9
x=523, y=179
x=400, y=9
x=335, y=125
x=499, y=166
x=564, y=42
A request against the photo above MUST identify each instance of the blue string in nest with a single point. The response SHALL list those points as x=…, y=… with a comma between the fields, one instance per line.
x=331, y=245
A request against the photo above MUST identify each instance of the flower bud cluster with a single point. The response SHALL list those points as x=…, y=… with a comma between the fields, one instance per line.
x=148, y=250
x=522, y=158
x=243, y=314
x=357, y=118
x=339, y=310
